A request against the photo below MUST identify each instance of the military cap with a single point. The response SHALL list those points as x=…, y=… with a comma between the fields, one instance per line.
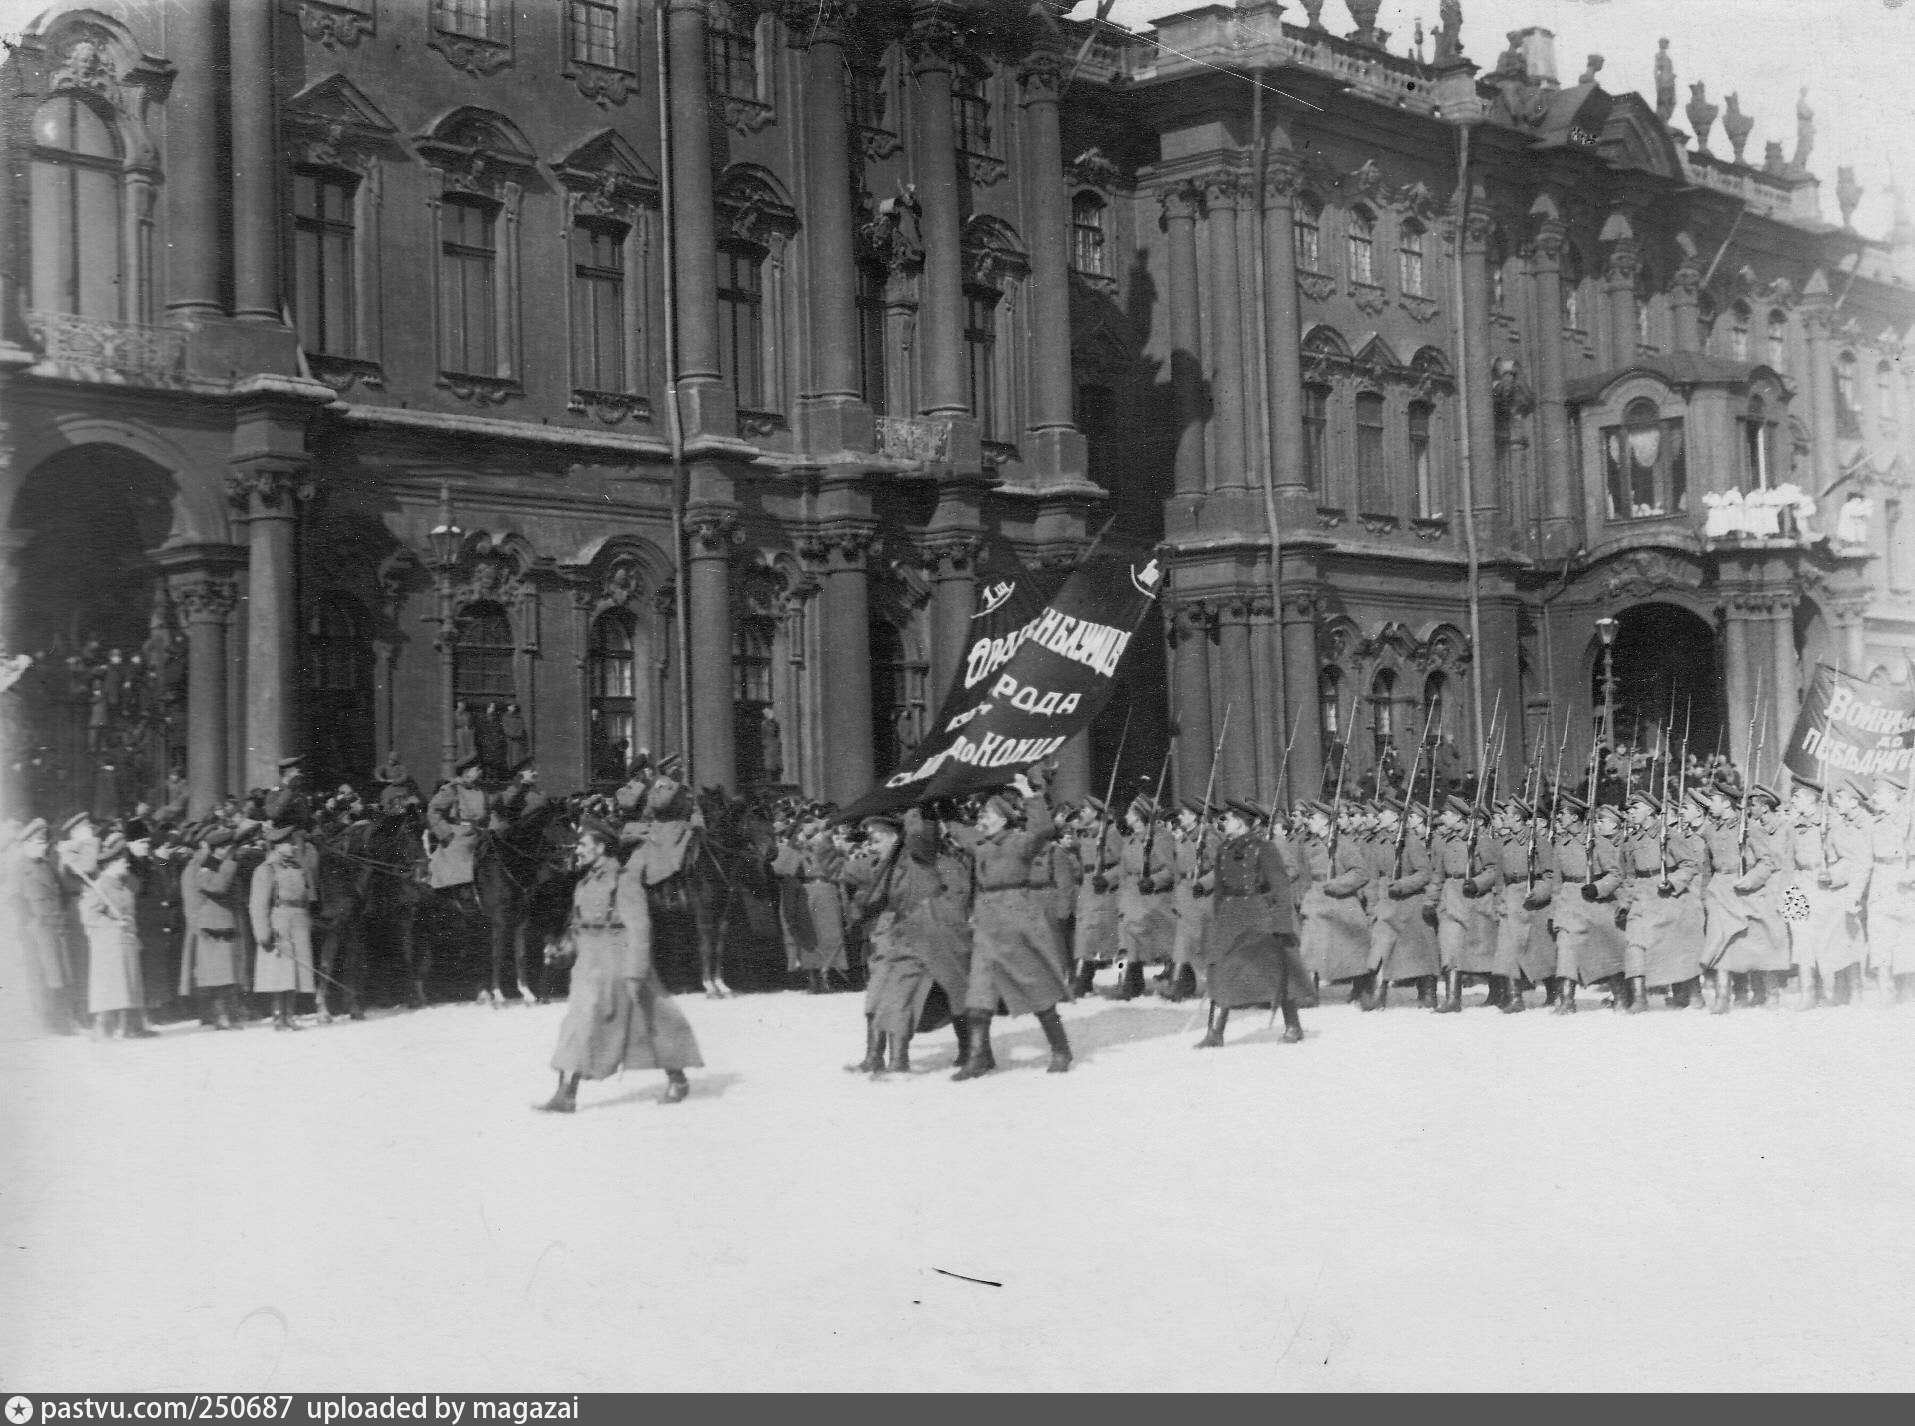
x=72, y=824
x=1697, y=798
x=1808, y=782
x=1096, y=804
x=1453, y=803
x=1247, y=809
x=216, y=837
x=33, y=828
x=1608, y=809
x=1141, y=806
x=663, y=789
x=111, y=845
x=288, y=764
x=1765, y=792
x=279, y=834
x=598, y=827
x=1516, y=807
x=884, y=819
x=469, y=760
x=1570, y=802
x=1642, y=798
x=1317, y=809
x=1193, y=806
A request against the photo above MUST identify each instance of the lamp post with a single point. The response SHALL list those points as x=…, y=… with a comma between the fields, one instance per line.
x=444, y=544
x=1606, y=628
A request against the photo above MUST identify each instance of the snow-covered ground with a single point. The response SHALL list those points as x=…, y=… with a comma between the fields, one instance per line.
x=1402, y=1201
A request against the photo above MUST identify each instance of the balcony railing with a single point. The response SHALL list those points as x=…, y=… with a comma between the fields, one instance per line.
x=99, y=345
x=913, y=438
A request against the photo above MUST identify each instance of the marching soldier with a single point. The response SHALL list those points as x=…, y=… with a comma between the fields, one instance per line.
x=809, y=862
x=1193, y=851
x=1891, y=896
x=1251, y=943
x=1589, y=945
x=617, y=1014
x=1100, y=855
x=1403, y=945
x=1465, y=909
x=1014, y=963
x=1745, y=932
x=1146, y=923
x=1832, y=863
x=1665, y=924
x=1526, y=873
x=1336, y=929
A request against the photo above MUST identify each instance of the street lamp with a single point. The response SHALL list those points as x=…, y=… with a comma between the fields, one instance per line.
x=1606, y=628
x=445, y=542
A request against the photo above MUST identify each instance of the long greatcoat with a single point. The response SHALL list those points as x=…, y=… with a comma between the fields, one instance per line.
x=918, y=938
x=1665, y=934
x=209, y=890
x=1402, y=941
x=1251, y=941
x=1524, y=950
x=1016, y=958
x=810, y=903
x=1589, y=944
x=1830, y=938
x=1146, y=920
x=1466, y=909
x=1100, y=852
x=112, y=938
x=617, y=1014
x=1336, y=929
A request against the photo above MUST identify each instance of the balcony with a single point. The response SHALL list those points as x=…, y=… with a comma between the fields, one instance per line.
x=914, y=438
x=98, y=349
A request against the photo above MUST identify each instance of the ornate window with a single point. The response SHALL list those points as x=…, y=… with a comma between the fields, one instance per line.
x=980, y=351
x=592, y=33
x=472, y=35
x=1372, y=480
x=1572, y=285
x=482, y=657
x=1758, y=446
x=1779, y=340
x=1316, y=438
x=971, y=111
x=1645, y=470
x=1306, y=233
x=601, y=49
x=1087, y=235
x=741, y=321
x=1885, y=395
x=1435, y=705
x=475, y=19
x=731, y=49
x=1847, y=413
x=468, y=292
x=1383, y=713
x=871, y=343
x=1330, y=714
x=897, y=698
x=325, y=246
x=598, y=305
x=612, y=673
x=1362, y=246
x=1739, y=331
x=1429, y=495
x=75, y=191
x=1409, y=258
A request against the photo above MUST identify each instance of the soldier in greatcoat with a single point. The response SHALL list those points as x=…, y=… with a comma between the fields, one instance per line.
x=1251, y=934
x=809, y=864
x=1526, y=866
x=1891, y=893
x=210, y=960
x=1832, y=865
x=1015, y=961
x=1195, y=846
x=1403, y=944
x=1146, y=921
x=618, y=1015
x=1336, y=927
x=116, y=997
x=284, y=896
x=1666, y=925
x=42, y=921
x=1589, y=944
x=1467, y=905
x=1744, y=933
x=1100, y=855
x=918, y=942
x=455, y=816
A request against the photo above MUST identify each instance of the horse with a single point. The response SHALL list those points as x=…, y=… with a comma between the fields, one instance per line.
x=718, y=887
x=513, y=863
x=398, y=895
x=346, y=873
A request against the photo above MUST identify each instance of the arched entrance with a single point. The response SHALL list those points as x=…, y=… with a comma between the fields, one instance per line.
x=1667, y=674
x=102, y=712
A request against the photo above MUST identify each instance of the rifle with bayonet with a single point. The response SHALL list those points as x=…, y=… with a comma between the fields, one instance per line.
x=1110, y=791
x=1403, y=823
x=1748, y=775
x=1210, y=786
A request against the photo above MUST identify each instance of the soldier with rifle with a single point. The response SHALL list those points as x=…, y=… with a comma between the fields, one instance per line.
x=1100, y=852
x=1402, y=942
x=1194, y=851
x=1891, y=897
x=1589, y=945
x=1465, y=927
x=1252, y=954
x=1336, y=930
x=1145, y=922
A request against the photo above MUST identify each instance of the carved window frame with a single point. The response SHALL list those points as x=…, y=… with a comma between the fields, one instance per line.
x=333, y=23
x=604, y=84
x=630, y=198
x=752, y=214
x=494, y=174
x=743, y=113
x=477, y=55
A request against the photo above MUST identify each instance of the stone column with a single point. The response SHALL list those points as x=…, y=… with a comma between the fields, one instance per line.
x=1283, y=361
x=1738, y=676
x=1237, y=759
x=837, y=555
x=1056, y=450
x=270, y=487
x=711, y=533
x=1561, y=512
x=1304, y=732
x=195, y=159
x=1849, y=615
x=707, y=404
x=1481, y=352
x=1619, y=296
x=1191, y=626
x=1186, y=340
x=1817, y=318
x=951, y=560
x=255, y=216
x=933, y=44
x=1227, y=404
x=1683, y=286
x=835, y=416
x=206, y=601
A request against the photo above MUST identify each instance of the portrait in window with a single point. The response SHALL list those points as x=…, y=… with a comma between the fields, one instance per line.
x=1645, y=472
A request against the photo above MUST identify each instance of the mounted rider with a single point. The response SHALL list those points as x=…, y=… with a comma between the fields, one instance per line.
x=662, y=833
x=456, y=813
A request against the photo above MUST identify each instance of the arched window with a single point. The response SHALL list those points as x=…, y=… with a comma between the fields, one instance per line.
x=1372, y=481
x=1429, y=497
x=1645, y=469
x=1779, y=340
x=482, y=657
x=751, y=646
x=1316, y=438
x=1498, y=258
x=1409, y=258
x=338, y=691
x=1330, y=712
x=1362, y=244
x=1383, y=712
x=1306, y=233
x=897, y=699
x=1087, y=235
x=1435, y=706
x=1758, y=445
x=612, y=693
x=75, y=195
x=731, y=49
x=1572, y=285
x=741, y=322
x=980, y=350
x=1846, y=412
x=1739, y=331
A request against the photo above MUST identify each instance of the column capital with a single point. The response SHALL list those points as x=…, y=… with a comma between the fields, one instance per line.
x=950, y=554
x=1282, y=179
x=838, y=547
x=1040, y=78
x=817, y=22
x=1547, y=247
x=206, y=598
x=1625, y=262
x=1686, y=280
x=1302, y=606
x=1223, y=189
x=1194, y=618
x=268, y=484
x=713, y=533
x=934, y=40
x=1181, y=201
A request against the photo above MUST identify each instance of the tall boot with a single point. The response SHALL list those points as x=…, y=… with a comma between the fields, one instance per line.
x=814, y=981
x=1696, y=999
x=1512, y=1003
x=676, y=1087
x=1637, y=999
x=1083, y=982
x=223, y=1008
x=564, y=1099
x=1566, y=1002
x=1213, y=1031
x=1292, y=1023
x=1724, y=993
x=1132, y=984
x=1498, y=992
x=1426, y=992
x=1379, y=992
x=900, y=1061
x=979, y=1061
x=873, y=1060
x=1183, y=984
x=1055, y=1037
x=1452, y=1002
x=961, y=1024
x=283, y=1012
x=1552, y=992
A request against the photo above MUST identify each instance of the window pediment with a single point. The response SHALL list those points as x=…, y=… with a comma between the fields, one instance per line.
x=332, y=124
x=478, y=151
x=608, y=177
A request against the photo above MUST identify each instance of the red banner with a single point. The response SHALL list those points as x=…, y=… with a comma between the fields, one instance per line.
x=1851, y=731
